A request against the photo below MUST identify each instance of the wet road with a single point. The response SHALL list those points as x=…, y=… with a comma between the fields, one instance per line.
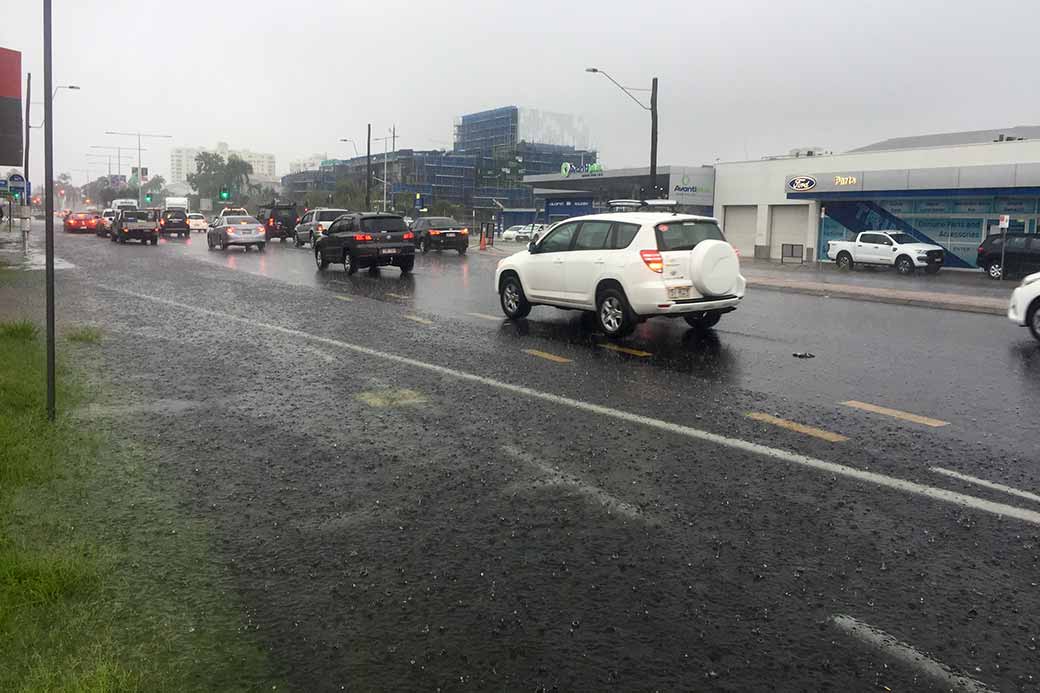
x=410, y=492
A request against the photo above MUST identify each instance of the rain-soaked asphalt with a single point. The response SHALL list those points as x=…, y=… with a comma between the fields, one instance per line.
x=405, y=498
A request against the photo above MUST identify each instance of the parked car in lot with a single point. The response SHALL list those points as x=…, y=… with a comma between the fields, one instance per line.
x=1024, y=308
x=440, y=233
x=242, y=230
x=366, y=240
x=1017, y=255
x=314, y=223
x=279, y=219
x=626, y=268
x=82, y=221
x=510, y=233
x=174, y=221
x=135, y=224
x=886, y=249
x=197, y=222
x=526, y=233
x=104, y=227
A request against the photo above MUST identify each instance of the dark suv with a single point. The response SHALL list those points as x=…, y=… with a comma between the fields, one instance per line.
x=439, y=233
x=1021, y=256
x=366, y=240
x=279, y=219
x=174, y=221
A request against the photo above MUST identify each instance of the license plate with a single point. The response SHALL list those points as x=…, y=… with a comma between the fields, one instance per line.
x=678, y=292
x=388, y=251
x=451, y=235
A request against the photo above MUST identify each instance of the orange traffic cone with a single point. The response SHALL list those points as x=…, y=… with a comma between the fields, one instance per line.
x=483, y=240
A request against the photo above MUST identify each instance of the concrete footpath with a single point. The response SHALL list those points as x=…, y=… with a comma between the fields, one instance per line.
x=959, y=290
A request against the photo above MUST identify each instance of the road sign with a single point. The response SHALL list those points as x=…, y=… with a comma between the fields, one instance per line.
x=3, y=184
x=1005, y=221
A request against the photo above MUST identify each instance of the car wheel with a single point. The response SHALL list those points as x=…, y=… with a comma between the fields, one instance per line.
x=245, y=249
x=613, y=315
x=209, y=242
x=155, y=241
x=995, y=270
x=407, y=265
x=350, y=265
x=223, y=245
x=845, y=262
x=296, y=240
x=261, y=246
x=904, y=265
x=319, y=259
x=1033, y=319
x=462, y=251
x=703, y=321
x=424, y=245
x=511, y=296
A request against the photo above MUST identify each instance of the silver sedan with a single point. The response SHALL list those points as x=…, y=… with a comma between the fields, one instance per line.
x=236, y=230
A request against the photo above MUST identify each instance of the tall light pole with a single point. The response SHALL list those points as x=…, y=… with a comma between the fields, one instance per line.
x=347, y=139
x=653, y=122
x=140, y=177
x=48, y=173
x=385, y=140
x=119, y=155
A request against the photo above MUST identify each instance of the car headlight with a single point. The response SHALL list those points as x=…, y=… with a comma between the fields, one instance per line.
x=1031, y=279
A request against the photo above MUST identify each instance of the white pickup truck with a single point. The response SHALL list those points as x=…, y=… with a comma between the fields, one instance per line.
x=888, y=248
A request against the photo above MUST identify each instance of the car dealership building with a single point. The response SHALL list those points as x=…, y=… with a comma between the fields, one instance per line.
x=945, y=189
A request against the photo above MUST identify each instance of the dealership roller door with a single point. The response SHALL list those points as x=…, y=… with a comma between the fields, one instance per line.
x=789, y=223
x=740, y=222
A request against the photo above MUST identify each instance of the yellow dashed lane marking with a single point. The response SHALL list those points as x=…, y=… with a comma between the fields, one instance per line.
x=896, y=414
x=344, y=298
x=396, y=295
x=485, y=316
x=626, y=350
x=547, y=356
x=797, y=427
x=416, y=318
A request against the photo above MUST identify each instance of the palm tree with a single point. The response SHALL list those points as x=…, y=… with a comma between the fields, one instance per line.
x=237, y=172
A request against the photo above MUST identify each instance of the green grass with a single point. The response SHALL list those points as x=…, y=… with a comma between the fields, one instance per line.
x=105, y=586
x=84, y=334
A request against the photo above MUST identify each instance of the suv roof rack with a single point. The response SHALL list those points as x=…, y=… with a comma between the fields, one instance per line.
x=639, y=205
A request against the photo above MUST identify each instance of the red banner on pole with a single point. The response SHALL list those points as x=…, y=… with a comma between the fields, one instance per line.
x=10, y=107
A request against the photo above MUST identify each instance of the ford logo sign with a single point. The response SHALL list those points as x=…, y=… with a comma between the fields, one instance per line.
x=801, y=183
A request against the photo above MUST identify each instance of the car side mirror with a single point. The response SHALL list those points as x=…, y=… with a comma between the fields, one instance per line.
x=532, y=247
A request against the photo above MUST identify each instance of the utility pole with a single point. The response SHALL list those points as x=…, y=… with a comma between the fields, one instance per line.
x=653, y=139
x=48, y=172
x=140, y=176
x=368, y=171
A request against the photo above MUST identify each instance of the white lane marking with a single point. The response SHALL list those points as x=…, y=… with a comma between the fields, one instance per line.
x=988, y=484
x=833, y=468
x=908, y=654
x=485, y=316
x=416, y=318
x=554, y=477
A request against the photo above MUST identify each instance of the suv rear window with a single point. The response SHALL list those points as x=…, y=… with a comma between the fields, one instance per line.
x=175, y=214
x=381, y=224
x=441, y=222
x=330, y=214
x=286, y=215
x=685, y=235
x=131, y=215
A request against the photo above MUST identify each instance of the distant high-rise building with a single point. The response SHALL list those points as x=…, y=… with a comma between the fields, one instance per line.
x=311, y=163
x=182, y=162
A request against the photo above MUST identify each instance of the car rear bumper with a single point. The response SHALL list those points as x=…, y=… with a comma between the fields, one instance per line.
x=245, y=240
x=652, y=298
x=176, y=229
x=279, y=232
x=139, y=234
x=375, y=256
x=451, y=243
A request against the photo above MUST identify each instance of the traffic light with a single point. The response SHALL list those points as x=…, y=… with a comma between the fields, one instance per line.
x=17, y=196
x=148, y=197
x=225, y=194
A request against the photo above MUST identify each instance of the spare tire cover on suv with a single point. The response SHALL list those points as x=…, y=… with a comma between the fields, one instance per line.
x=714, y=268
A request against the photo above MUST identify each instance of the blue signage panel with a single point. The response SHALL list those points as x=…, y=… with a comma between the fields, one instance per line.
x=567, y=207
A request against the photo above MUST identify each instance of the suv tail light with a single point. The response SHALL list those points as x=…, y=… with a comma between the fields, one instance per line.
x=321, y=228
x=653, y=260
x=270, y=222
x=362, y=237
x=434, y=232
x=464, y=232
x=981, y=248
x=409, y=236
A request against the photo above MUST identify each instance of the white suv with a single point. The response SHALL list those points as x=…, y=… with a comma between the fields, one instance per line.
x=626, y=267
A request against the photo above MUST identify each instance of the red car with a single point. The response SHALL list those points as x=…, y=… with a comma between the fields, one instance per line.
x=82, y=221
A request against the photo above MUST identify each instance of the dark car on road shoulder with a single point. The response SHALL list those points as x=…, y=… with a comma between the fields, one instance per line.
x=366, y=240
x=279, y=220
x=1021, y=256
x=175, y=221
x=440, y=233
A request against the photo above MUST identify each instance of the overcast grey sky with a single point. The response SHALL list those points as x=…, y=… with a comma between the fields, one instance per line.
x=754, y=76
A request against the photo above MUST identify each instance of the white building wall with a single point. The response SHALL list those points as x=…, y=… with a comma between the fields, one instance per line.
x=762, y=182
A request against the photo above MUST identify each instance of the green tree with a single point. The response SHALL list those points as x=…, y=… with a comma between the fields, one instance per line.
x=210, y=174
x=236, y=174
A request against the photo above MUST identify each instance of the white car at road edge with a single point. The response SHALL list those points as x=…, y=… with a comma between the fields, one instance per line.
x=625, y=268
x=1024, y=308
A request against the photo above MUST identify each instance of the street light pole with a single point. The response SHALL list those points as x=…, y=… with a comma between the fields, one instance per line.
x=347, y=139
x=140, y=175
x=368, y=171
x=48, y=165
x=653, y=122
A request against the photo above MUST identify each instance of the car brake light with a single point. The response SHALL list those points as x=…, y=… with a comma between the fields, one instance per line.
x=270, y=222
x=980, y=250
x=434, y=233
x=409, y=236
x=464, y=232
x=653, y=260
x=321, y=228
x=297, y=220
x=162, y=223
x=362, y=237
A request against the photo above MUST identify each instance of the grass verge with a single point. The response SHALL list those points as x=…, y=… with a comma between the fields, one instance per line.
x=104, y=585
x=84, y=334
